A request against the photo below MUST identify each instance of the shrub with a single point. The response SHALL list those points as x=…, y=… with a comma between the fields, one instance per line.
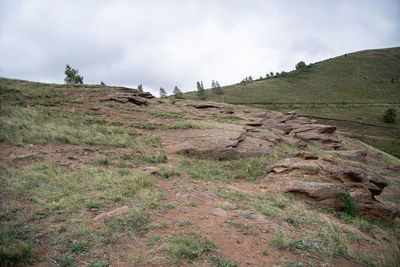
x=300, y=65
x=389, y=115
x=350, y=206
x=72, y=75
x=140, y=88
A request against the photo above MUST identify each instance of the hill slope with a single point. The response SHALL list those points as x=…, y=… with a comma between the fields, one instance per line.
x=356, y=88
x=110, y=176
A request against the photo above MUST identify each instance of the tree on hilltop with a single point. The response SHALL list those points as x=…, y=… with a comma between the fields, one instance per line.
x=163, y=93
x=177, y=93
x=201, y=93
x=72, y=75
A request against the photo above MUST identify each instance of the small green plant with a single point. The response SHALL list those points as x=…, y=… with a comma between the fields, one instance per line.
x=72, y=75
x=350, y=206
x=189, y=246
x=389, y=115
x=140, y=88
x=281, y=241
x=218, y=262
x=181, y=222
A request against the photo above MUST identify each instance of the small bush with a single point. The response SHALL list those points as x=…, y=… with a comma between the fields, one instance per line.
x=300, y=65
x=350, y=206
x=389, y=115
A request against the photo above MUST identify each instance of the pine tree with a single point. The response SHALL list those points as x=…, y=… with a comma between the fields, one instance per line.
x=140, y=88
x=163, y=93
x=200, y=90
x=177, y=93
x=72, y=75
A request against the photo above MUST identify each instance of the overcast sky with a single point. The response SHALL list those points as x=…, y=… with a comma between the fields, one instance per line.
x=178, y=42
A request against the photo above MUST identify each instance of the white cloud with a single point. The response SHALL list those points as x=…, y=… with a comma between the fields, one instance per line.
x=168, y=43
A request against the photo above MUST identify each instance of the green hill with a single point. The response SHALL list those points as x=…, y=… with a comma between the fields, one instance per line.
x=354, y=88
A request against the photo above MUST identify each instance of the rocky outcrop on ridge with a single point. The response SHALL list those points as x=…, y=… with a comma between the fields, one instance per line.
x=131, y=97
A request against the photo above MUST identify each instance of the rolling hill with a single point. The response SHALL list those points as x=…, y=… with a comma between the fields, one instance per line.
x=351, y=91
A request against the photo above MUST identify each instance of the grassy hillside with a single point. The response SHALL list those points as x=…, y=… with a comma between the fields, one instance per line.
x=356, y=87
x=68, y=157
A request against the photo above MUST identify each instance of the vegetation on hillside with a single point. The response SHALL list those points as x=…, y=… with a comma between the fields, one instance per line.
x=356, y=87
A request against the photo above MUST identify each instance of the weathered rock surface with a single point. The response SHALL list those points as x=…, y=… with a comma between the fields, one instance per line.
x=353, y=154
x=304, y=128
x=132, y=97
x=214, y=142
x=322, y=180
x=264, y=135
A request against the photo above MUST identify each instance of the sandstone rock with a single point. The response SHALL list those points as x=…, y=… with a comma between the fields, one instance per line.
x=354, y=154
x=130, y=96
x=295, y=142
x=325, y=193
x=367, y=187
x=220, y=212
x=218, y=143
x=254, y=123
x=112, y=213
x=264, y=135
x=303, y=155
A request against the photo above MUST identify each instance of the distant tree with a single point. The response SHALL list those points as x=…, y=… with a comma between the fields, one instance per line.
x=72, y=75
x=271, y=74
x=389, y=115
x=163, y=93
x=102, y=83
x=140, y=88
x=216, y=87
x=300, y=65
x=177, y=93
x=250, y=79
x=201, y=93
x=267, y=76
x=277, y=74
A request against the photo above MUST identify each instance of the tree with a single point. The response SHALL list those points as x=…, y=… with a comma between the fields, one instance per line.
x=201, y=93
x=102, y=83
x=267, y=76
x=140, y=88
x=300, y=65
x=163, y=93
x=72, y=75
x=177, y=93
x=271, y=74
x=389, y=115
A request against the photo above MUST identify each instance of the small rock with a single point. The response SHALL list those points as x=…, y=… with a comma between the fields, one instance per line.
x=220, y=212
x=112, y=213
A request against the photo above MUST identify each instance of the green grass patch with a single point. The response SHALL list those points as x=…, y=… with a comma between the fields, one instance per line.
x=248, y=169
x=189, y=246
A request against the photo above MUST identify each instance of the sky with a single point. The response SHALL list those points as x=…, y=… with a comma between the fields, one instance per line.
x=179, y=42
